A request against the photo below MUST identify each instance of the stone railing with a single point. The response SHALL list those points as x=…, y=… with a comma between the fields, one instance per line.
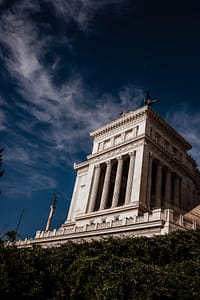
x=185, y=222
x=167, y=216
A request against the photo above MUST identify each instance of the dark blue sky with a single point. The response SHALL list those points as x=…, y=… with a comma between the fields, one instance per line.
x=68, y=67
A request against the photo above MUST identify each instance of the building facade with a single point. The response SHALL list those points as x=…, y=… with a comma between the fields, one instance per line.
x=138, y=180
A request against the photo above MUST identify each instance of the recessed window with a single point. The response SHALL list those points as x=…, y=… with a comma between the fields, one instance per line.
x=174, y=152
x=129, y=134
x=166, y=145
x=106, y=144
x=157, y=138
x=151, y=132
x=136, y=130
x=117, y=140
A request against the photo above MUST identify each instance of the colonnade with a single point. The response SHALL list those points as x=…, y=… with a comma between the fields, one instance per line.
x=164, y=185
x=112, y=183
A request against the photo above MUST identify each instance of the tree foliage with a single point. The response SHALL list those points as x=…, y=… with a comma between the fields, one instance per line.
x=162, y=267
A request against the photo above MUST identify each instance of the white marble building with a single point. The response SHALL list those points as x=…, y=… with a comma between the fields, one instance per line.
x=139, y=180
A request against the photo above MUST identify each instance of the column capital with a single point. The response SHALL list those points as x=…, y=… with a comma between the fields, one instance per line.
x=97, y=166
x=131, y=153
x=151, y=154
x=119, y=157
x=108, y=162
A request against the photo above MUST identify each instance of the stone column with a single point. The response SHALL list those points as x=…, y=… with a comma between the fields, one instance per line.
x=176, y=191
x=106, y=185
x=118, y=178
x=158, y=185
x=95, y=184
x=130, y=178
x=168, y=187
x=149, y=180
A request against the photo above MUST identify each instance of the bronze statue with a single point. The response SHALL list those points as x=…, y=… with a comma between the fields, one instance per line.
x=148, y=100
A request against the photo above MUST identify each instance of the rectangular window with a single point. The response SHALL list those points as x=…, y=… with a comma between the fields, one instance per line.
x=100, y=147
x=157, y=138
x=129, y=134
x=166, y=145
x=174, y=152
x=136, y=130
x=106, y=144
x=117, y=140
x=151, y=132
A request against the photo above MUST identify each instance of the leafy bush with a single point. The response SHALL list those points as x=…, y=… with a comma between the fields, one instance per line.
x=163, y=267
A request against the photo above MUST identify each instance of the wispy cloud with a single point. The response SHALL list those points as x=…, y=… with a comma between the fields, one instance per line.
x=3, y=119
x=55, y=118
x=26, y=186
x=186, y=123
x=2, y=2
x=81, y=11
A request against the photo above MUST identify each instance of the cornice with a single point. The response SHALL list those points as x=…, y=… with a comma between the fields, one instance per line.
x=152, y=114
x=124, y=121
x=81, y=165
x=128, y=118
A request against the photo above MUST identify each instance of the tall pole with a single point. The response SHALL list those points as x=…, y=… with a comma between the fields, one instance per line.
x=19, y=222
x=52, y=209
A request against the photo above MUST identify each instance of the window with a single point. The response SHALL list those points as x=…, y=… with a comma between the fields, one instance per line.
x=166, y=145
x=106, y=144
x=157, y=138
x=129, y=134
x=136, y=130
x=117, y=140
x=151, y=132
x=174, y=152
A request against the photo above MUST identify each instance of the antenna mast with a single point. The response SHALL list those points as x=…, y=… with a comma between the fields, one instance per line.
x=19, y=222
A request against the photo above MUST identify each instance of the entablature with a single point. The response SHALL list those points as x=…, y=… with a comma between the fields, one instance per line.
x=127, y=146
x=170, y=159
x=153, y=115
x=83, y=166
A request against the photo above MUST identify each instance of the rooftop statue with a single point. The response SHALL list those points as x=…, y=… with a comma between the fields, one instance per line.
x=148, y=100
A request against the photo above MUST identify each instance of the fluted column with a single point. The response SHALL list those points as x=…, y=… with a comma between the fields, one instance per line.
x=93, y=196
x=168, y=187
x=158, y=185
x=130, y=178
x=106, y=185
x=118, y=178
x=149, y=180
